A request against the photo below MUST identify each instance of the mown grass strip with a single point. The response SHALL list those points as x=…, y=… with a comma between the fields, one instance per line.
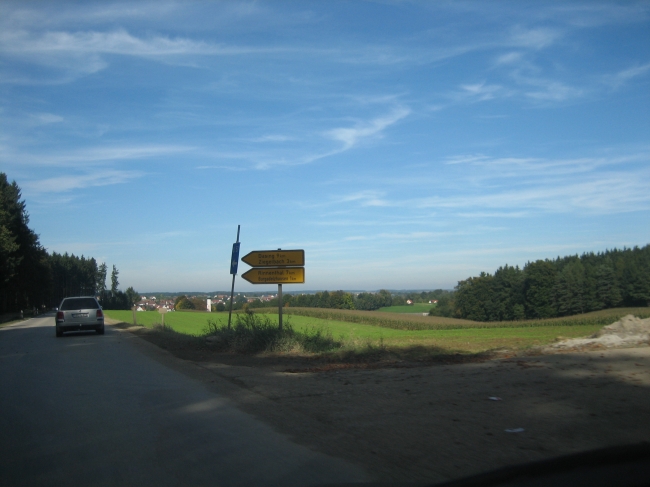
x=188, y=323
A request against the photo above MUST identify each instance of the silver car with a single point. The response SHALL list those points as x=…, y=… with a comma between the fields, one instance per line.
x=82, y=313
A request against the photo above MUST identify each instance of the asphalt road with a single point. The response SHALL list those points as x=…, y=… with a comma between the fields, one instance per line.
x=87, y=409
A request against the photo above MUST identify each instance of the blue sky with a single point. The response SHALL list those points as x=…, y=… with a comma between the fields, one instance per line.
x=403, y=145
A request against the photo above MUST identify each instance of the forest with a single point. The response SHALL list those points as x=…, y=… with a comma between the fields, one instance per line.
x=542, y=289
x=33, y=279
x=368, y=301
x=559, y=287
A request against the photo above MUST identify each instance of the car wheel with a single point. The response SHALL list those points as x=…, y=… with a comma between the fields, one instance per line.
x=100, y=331
x=59, y=332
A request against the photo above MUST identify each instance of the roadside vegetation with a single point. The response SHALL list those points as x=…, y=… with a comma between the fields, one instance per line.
x=361, y=335
x=254, y=333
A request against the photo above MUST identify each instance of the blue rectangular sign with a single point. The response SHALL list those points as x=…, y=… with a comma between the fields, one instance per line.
x=234, y=260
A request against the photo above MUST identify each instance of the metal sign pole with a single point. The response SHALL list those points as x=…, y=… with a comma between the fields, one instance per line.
x=234, y=260
x=280, y=304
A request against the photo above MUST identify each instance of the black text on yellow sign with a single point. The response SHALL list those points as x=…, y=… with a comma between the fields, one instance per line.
x=292, y=275
x=274, y=258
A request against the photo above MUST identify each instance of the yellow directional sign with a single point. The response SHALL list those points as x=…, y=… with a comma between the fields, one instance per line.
x=288, y=275
x=275, y=258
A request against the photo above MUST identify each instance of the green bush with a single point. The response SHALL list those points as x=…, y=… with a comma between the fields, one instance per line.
x=255, y=333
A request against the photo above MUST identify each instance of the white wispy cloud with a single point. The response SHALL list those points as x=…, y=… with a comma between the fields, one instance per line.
x=116, y=42
x=596, y=14
x=95, y=155
x=62, y=184
x=601, y=193
x=550, y=90
x=47, y=118
x=273, y=138
x=479, y=92
x=534, y=38
x=499, y=167
x=223, y=167
x=622, y=77
x=346, y=137
x=364, y=198
x=73, y=54
x=512, y=187
x=509, y=58
x=349, y=137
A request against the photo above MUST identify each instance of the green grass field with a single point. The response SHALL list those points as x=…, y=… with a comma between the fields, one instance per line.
x=463, y=339
x=182, y=322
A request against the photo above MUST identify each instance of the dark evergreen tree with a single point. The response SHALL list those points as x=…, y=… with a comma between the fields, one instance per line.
x=636, y=277
x=114, y=281
x=324, y=300
x=132, y=296
x=102, y=271
x=24, y=271
x=72, y=276
x=474, y=298
x=607, y=291
x=508, y=294
x=539, y=281
x=570, y=289
x=366, y=301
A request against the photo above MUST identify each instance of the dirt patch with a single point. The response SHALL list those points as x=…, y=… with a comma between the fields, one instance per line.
x=629, y=331
x=423, y=422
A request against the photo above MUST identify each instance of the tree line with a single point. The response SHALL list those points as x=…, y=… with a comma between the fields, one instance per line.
x=32, y=278
x=346, y=300
x=559, y=287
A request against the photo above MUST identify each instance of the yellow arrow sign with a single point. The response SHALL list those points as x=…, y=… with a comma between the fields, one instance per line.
x=290, y=275
x=274, y=258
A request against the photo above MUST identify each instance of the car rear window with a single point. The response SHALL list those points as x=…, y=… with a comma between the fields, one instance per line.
x=78, y=303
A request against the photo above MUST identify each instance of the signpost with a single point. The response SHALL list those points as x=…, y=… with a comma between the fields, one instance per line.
x=275, y=267
x=275, y=275
x=275, y=258
x=234, y=261
x=162, y=312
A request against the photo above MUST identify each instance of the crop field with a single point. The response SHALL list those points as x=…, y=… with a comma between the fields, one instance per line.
x=414, y=322
x=443, y=335
x=408, y=308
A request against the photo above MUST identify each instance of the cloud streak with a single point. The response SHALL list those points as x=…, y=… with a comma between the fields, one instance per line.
x=349, y=137
x=516, y=187
x=98, y=155
x=116, y=42
x=63, y=184
x=622, y=77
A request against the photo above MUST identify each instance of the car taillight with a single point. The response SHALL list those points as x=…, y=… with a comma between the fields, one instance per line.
x=60, y=316
x=100, y=314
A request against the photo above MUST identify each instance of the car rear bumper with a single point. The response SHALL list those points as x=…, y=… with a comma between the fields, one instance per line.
x=79, y=326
